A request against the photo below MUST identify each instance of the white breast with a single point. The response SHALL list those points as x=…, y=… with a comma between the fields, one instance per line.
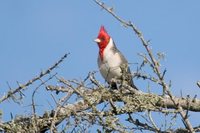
x=112, y=60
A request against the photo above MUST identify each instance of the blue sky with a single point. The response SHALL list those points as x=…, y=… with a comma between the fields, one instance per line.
x=34, y=34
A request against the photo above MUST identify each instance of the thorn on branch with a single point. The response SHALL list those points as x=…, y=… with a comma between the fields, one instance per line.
x=163, y=75
x=21, y=87
x=148, y=42
x=198, y=84
x=194, y=99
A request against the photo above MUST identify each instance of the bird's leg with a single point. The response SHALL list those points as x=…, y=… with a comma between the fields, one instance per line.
x=113, y=84
x=124, y=72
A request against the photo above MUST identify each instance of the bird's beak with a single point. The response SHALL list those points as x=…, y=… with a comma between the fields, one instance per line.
x=97, y=40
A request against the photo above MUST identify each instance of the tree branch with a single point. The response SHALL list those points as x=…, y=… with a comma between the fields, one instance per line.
x=155, y=63
x=137, y=102
x=23, y=86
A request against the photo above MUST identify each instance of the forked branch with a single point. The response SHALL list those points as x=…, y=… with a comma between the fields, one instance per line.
x=155, y=63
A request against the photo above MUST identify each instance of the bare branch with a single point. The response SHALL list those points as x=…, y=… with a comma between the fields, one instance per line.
x=134, y=103
x=23, y=86
x=153, y=60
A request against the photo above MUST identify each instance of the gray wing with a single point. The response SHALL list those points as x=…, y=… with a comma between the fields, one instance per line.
x=129, y=77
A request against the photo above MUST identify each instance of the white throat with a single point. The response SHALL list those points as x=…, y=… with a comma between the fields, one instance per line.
x=110, y=45
x=108, y=51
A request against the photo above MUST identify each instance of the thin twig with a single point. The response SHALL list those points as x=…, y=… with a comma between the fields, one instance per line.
x=153, y=60
x=152, y=121
x=23, y=86
x=139, y=124
x=60, y=104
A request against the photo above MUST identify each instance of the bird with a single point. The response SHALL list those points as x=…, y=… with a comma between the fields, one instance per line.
x=111, y=62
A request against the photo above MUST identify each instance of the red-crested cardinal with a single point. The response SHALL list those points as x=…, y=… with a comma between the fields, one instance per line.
x=112, y=64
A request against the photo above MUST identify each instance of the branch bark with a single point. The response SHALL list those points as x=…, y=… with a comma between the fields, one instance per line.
x=21, y=87
x=154, y=63
x=135, y=102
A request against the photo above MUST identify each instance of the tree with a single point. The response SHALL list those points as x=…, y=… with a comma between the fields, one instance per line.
x=101, y=109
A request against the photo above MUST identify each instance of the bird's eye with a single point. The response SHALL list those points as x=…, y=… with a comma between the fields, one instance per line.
x=102, y=38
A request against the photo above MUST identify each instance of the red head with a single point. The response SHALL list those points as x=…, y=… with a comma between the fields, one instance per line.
x=102, y=40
